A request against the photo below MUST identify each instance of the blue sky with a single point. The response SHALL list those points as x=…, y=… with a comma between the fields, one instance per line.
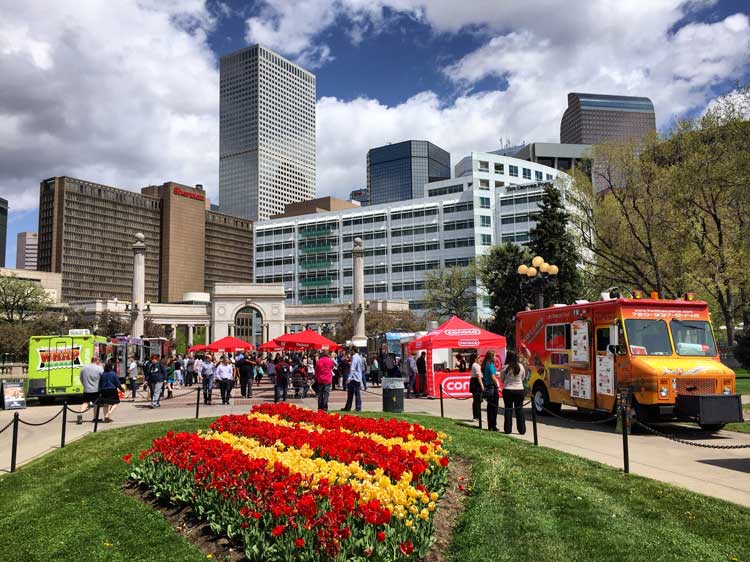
x=130, y=89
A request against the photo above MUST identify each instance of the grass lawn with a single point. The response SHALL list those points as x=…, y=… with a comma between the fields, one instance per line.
x=528, y=504
x=742, y=381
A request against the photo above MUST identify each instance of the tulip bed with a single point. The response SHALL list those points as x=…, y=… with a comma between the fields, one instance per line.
x=293, y=484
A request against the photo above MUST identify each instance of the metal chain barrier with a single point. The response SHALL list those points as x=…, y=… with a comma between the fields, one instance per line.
x=10, y=423
x=43, y=423
x=686, y=441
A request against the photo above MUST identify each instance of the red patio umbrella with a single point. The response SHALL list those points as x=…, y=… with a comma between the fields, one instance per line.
x=230, y=343
x=307, y=339
x=198, y=347
x=272, y=345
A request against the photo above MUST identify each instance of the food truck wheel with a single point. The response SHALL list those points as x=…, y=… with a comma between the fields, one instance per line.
x=712, y=426
x=540, y=398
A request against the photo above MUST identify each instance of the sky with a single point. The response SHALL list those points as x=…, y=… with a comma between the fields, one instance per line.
x=126, y=92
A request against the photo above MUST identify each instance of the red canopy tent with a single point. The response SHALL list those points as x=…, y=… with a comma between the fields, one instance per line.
x=230, y=343
x=455, y=334
x=198, y=347
x=270, y=346
x=307, y=339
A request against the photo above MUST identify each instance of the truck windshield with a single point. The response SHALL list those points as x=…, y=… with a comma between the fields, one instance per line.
x=693, y=337
x=648, y=337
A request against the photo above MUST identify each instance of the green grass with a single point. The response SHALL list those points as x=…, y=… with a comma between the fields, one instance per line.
x=527, y=504
x=742, y=382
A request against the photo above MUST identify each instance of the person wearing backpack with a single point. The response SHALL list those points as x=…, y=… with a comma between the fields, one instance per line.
x=513, y=375
x=283, y=373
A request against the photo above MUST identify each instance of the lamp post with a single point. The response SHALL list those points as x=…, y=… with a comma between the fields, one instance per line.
x=537, y=277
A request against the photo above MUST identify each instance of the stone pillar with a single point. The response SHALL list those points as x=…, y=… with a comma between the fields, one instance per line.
x=359, y=339
x=190, y=336
x=139, y=285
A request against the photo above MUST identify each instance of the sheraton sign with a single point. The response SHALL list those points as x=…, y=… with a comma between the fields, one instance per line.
x=189, y=194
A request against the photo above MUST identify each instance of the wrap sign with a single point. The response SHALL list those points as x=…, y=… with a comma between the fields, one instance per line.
x=59, y=357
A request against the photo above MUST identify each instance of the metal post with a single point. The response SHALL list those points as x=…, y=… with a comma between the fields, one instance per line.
x=64, y=423
x=442, y=411
x=625, y=453
x=533, y=422
x=14, y=445
x=540, y=299
x=198, y=402
x=96, y=417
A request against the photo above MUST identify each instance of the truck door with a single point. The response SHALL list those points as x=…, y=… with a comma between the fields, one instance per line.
x=61, y=365
x=605, y=367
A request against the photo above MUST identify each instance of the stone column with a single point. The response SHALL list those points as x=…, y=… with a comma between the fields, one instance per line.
x=139, y=285
x=190, y=336
x=359, y=339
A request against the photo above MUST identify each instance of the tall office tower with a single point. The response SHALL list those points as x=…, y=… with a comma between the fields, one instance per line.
x=267, y=133
x=596, y=118
x=3, y=229
x=398, y=172
x=27, y=244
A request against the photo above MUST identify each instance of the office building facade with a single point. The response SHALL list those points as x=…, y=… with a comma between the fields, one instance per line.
x=454, y=222
x=266, y=133
x=27, y=244
x=86, y=232
x=3, y=229
x=598, y=118
x=398, y=172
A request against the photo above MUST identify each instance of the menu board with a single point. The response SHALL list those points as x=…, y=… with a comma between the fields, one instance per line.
x=14, y=397
x=605, y=375
x=580, y=341
x=580, y=386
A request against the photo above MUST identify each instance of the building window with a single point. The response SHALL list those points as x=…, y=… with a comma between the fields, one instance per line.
x=499, y=168
x=484, y=166
x=513, y=170
x=485, y=221
x=486, y=239
x=484, y=202
x=484, y=184
x=526, y=174
x=538, y=176
x=549, y=176
x=499, y=184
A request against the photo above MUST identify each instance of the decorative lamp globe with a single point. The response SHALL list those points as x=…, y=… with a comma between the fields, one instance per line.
x=522, y=269
x=537, y=261
x=553, y=270
x=531, y=272
x=544, y=268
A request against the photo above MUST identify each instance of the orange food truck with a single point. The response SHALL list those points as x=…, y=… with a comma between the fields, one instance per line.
x=662, y=350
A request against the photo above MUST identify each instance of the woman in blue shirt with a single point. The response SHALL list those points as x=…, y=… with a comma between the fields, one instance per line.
x=109, y=385
x=491, y=387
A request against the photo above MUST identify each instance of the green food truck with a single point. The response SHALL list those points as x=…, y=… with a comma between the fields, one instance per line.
x=55, y=363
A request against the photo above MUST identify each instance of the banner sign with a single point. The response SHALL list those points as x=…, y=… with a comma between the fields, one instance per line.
x=14, y=398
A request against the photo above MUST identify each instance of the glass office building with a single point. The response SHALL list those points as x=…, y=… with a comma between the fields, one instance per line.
x=597, y=118
x=397, y=172
x=3, y=229
x=266, y=133
x=493, y=198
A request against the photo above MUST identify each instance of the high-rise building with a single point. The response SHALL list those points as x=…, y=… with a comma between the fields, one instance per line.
x=398, y=172
x=596, y=118
x=86, y=232
x=266, y=133
x=3, y=229
x=26, y=250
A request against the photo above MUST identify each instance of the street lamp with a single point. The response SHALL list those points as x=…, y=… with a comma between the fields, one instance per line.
x=537, y=277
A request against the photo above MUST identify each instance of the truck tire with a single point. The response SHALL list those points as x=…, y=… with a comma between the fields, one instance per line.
x=540, y=401
x=712, y=427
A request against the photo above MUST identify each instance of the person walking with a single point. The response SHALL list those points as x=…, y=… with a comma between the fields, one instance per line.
x=197, y=368
x=354, y=383
x=271, y=368
x=225, y=377
x=283, y=373
x=155, y=377
x=345, y=365
x=109, y=389
x=490, y=387
x=133, y=375
x=422, y=374
x=179, y=378
x=512, y=377
x=245, y=366
x=323, y=378
x=89, y=376
x=375, y=371
x=476, y=387
x=189, y=369
x=411, y=372
x=207, y=375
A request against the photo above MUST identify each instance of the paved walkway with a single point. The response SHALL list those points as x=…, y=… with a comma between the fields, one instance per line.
x=719, y=473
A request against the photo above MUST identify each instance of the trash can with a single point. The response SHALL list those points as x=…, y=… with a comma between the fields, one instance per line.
x=393, y=394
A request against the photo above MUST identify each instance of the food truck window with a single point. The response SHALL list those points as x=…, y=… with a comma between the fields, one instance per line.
x=602, y=340
x=693, y=337
x=558, y=337
x=648, y=337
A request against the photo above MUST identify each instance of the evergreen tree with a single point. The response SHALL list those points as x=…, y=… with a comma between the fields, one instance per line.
x=499, y=275
x=552, y=240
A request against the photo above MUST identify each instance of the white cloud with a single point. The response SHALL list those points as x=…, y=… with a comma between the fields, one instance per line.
x=124, y=93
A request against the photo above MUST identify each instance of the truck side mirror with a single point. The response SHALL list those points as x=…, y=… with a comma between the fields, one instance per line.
x=616, y=349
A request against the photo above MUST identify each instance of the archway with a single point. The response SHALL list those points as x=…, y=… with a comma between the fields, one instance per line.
x=248, y=325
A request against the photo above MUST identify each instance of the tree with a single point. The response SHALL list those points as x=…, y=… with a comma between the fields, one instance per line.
x=20, y=299
x=451, y=292
x=110, y=324
x=552, y=239
x=498, y=273
x=377, y=322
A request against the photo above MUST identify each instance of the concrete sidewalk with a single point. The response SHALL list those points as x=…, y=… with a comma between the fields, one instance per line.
x=719, y=473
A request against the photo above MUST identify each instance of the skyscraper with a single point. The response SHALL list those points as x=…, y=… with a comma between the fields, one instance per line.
x=267, y=133
x=596, y=118
x=27, y=244
x=397, y=172
x=3, y=229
